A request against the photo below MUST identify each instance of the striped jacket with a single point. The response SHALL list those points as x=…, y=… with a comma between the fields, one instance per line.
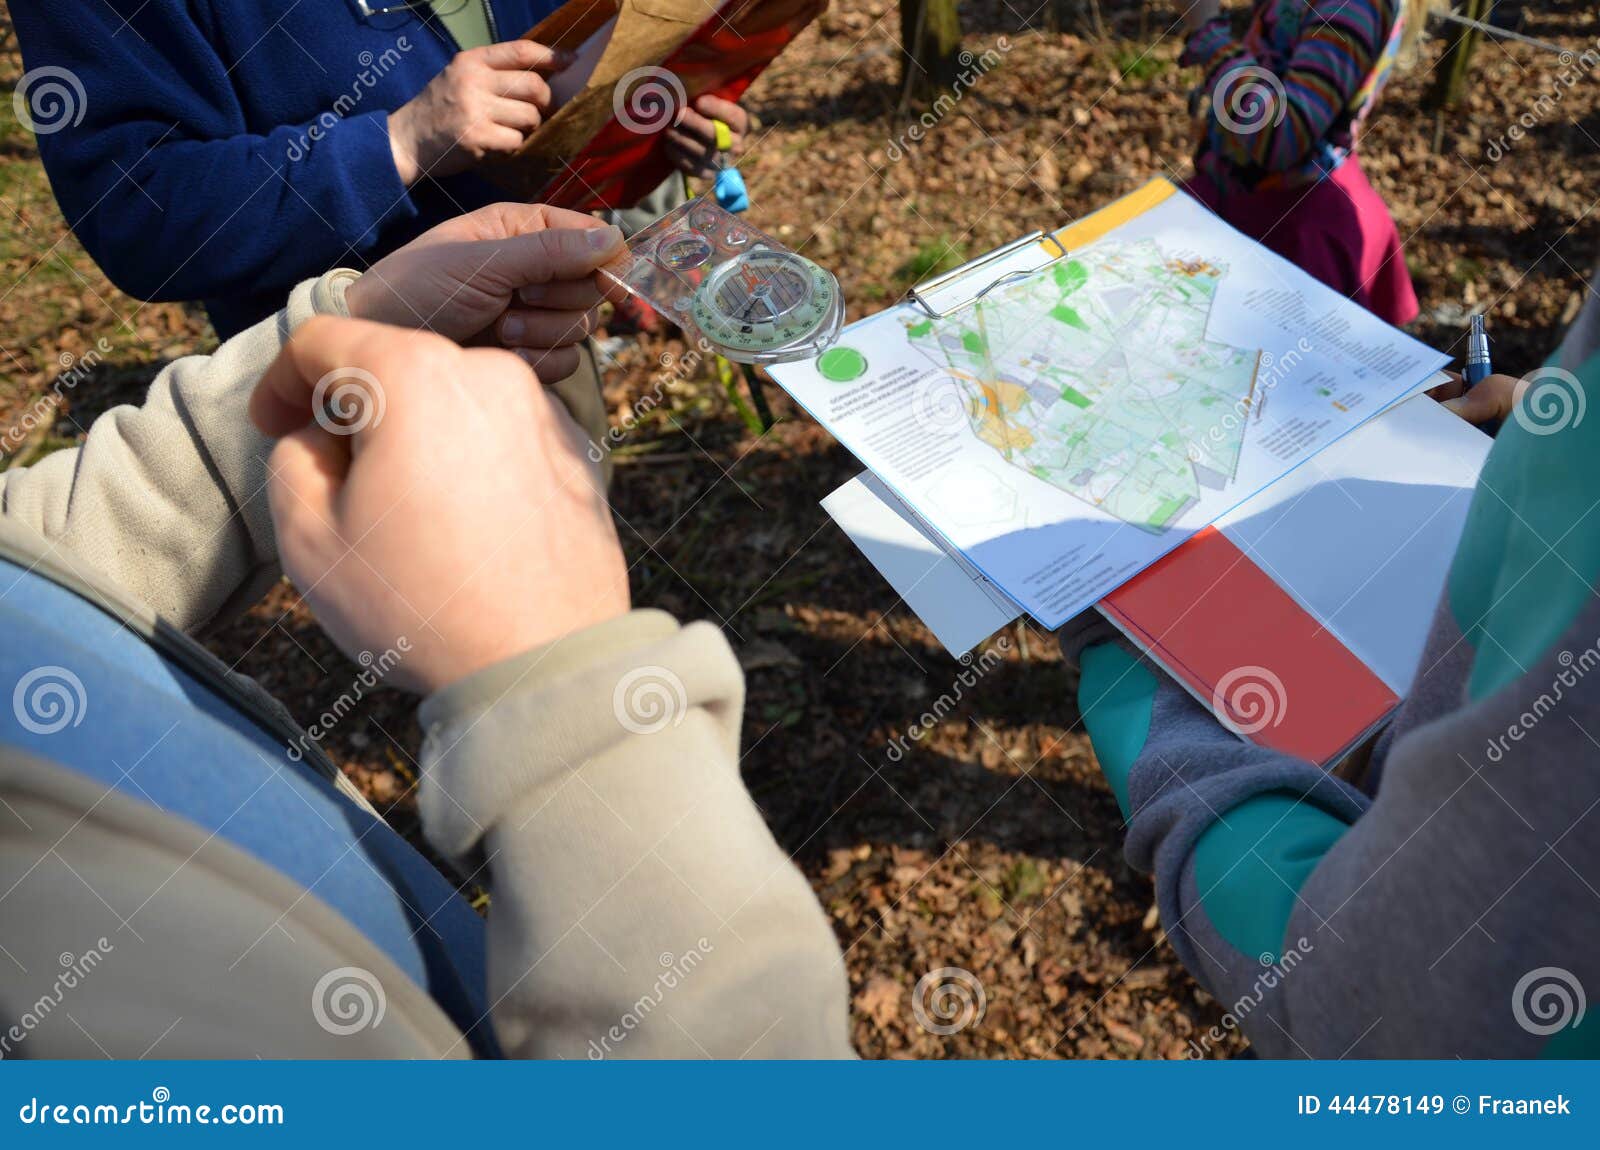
x=1287, y=100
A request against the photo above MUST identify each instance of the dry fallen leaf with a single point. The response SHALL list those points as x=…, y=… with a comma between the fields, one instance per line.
x=879, y=1000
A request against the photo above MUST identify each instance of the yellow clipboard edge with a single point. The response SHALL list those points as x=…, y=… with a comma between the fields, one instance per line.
x=1115, y=214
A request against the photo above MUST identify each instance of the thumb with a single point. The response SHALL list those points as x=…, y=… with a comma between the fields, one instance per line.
x=563, y=253
x=306, y=471
x=316, y=375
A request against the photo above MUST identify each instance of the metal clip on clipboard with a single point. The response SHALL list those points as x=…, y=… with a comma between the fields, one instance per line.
x=947, y=294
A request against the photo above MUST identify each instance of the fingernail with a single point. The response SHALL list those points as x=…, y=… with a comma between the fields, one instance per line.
x=532, y=294
x=513, y=327
x=606, y=238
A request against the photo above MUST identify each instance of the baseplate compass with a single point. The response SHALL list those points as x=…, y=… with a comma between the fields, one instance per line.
x=749, y=297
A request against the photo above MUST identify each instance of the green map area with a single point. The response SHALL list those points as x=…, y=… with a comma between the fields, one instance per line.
x=1096, y=375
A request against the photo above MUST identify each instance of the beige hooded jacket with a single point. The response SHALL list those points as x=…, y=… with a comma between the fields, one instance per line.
x=605, y=846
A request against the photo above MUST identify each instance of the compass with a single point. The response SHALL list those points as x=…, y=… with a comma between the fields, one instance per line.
x=768, y=306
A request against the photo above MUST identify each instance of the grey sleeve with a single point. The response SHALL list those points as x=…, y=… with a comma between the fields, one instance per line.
x=1454, y=916
x=667, y=195
x=1460, y=916
x=168, y=498
x=639, y=907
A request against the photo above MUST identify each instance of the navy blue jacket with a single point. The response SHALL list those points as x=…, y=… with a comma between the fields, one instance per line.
x=227, y=150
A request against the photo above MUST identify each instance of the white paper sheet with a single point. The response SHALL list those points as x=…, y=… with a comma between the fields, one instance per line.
x=947, y=594
x=1362, y=535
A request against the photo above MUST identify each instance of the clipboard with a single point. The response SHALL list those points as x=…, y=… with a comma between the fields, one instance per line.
x=969, y=536
x=943, y=295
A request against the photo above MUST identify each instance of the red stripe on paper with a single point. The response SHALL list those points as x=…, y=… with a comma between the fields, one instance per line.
x=1221, y=624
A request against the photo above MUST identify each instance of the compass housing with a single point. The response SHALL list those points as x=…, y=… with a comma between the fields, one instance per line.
x=768, y=305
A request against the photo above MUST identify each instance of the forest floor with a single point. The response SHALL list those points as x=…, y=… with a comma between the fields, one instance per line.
x=992, y=846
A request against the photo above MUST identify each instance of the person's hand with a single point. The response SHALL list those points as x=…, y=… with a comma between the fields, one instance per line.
x=522, y=275
x=432, y=499
x=1485, y=404
x=1195, y=13
x=485, y=102
x=692, y=141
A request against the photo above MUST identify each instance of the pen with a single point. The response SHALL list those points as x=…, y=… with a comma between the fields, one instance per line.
x=1478, y=366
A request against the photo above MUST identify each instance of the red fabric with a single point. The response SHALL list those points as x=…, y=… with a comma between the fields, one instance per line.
x=1338, y=230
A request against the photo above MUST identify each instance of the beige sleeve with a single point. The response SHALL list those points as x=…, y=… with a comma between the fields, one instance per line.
x=168, y=498
x=639, y=906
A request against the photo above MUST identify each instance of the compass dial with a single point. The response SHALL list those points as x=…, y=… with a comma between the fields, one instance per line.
x=764, y=302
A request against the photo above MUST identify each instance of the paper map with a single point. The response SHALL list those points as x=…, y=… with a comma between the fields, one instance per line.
x=1097, y=377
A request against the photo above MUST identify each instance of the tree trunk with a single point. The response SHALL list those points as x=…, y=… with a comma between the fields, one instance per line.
x=1454, y=69
x=930, y=33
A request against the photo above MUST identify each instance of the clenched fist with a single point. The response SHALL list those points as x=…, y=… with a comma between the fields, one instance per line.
x=692, y=140
x=424, y=492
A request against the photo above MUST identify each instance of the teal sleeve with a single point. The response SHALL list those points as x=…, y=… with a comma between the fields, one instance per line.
x=1250, y=864
x=1116, y=697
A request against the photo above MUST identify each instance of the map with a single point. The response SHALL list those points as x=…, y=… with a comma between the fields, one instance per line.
x=1096, y=375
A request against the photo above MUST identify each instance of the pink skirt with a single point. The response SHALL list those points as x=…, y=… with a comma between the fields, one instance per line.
x=1338, y=230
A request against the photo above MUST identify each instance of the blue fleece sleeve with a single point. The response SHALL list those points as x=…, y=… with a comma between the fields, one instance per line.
x=159, y=178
